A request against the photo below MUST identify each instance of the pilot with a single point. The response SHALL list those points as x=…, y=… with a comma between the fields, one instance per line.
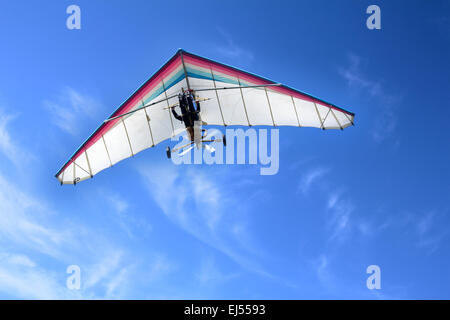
x=189, y=112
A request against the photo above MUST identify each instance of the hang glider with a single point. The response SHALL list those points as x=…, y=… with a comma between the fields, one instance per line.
x=228, y=96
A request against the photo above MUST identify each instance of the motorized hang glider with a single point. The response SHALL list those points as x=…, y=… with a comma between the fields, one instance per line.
x=228, y=96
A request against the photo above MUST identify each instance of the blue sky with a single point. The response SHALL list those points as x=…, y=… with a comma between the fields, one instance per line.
x=374, y=193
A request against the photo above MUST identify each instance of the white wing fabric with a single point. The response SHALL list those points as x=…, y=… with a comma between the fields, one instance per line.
x=234, y=100
x=244, y=104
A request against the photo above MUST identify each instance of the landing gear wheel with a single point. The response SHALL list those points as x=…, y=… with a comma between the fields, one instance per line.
x=168, y=153
x=224, y=140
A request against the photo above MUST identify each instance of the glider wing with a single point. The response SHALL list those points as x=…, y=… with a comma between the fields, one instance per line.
x=229, y=97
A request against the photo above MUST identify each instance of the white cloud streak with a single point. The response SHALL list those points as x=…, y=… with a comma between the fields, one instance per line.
x=193, y=202
x=341, y=210
x=27, y=224
x=429, y=233
x=311, y=177
x=385, y=117
x=210, y=274
x=229, y=48
x=70, y=109
x=8, y=147
x=24, y=281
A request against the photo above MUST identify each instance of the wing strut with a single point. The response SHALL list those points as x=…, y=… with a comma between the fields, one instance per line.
x=140, y=108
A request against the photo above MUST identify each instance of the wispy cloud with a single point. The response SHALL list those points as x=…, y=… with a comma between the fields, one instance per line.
x=210, y=274
x=341, y=210
x=428, y=231
x=108, y=264
x=116, y=283
x=310, y=177
x=322, y=268
x=19, y=223
x=385, y=125
x=114, y=274
x=321, y=265
x=24, y=226
x=28, y=224
x=191, y=200
x=118, y=203
x=229, y=48
x=131, y=223
x=8, y=147
x=356, y=78
x=70, y=109
x=22, y=278
x=385, y=118
x=17, y=259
